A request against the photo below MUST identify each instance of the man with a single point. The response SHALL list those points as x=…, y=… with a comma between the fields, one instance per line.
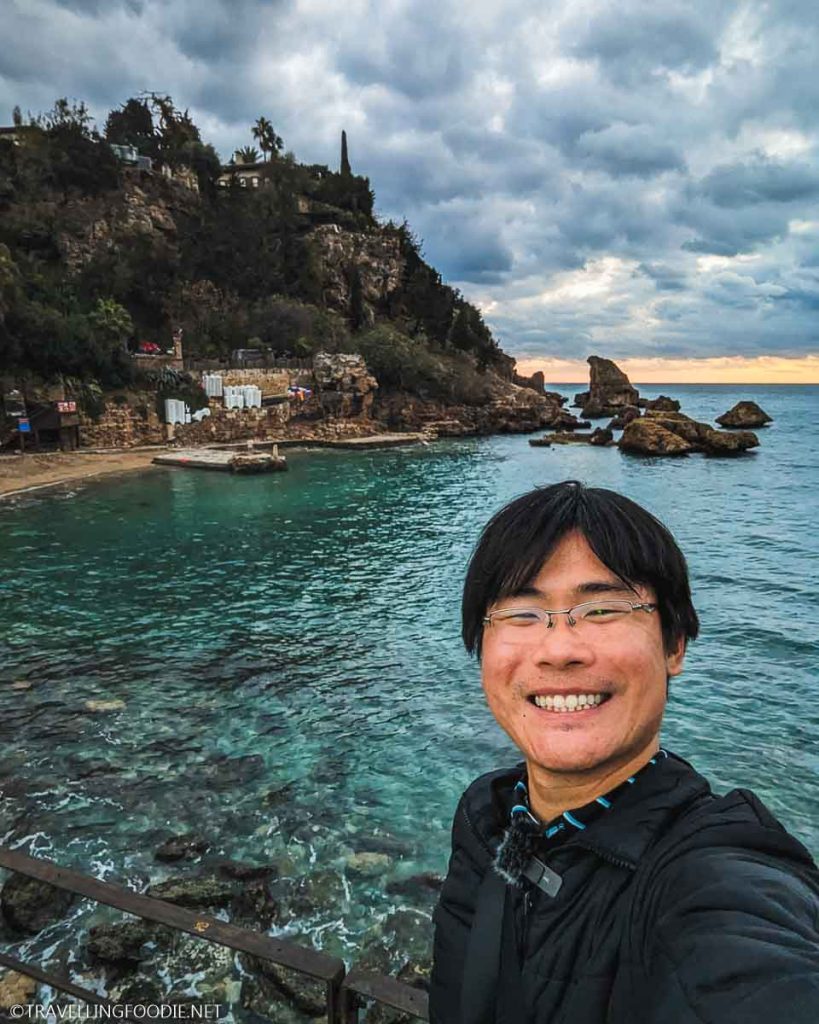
x=601, y=882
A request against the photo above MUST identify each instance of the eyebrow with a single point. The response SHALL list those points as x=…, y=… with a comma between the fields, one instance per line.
x=582, y=589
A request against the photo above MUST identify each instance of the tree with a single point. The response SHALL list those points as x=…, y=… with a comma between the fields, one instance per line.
x=66, y=117
x=265, y=135
x=247, y=155
x=112, y=322
x=133, y=125
x=345, y=168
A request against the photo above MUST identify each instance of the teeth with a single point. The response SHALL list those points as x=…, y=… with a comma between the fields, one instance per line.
x=569, y=702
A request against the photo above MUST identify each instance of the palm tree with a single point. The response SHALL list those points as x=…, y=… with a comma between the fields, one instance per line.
x=247, y=155
x=265, y=135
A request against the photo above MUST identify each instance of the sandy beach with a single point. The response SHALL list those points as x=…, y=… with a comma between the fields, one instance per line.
x=31, y=472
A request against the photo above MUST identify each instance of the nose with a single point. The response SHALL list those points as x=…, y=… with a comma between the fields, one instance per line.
x=561, y=645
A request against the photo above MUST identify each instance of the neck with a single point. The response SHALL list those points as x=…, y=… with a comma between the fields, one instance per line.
x=551, y=793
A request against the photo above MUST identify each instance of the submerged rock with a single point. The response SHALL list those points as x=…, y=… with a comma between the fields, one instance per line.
x=16, y=990
x=648, y=437
x=104, y=706
x=745, y=414
x=182, y=847
x=124, y=943
x=367, y=864
x=195, y=893
x=30, y=905
x=416, y=886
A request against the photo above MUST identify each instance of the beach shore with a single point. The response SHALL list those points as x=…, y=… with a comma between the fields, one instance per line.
x=19, y=473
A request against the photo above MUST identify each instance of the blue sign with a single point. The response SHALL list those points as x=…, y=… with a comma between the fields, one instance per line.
x=24, y=426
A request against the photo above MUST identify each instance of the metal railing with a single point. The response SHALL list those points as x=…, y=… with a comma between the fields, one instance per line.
x=344, y=990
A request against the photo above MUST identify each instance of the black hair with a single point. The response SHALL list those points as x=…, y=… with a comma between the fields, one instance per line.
x=626, y=538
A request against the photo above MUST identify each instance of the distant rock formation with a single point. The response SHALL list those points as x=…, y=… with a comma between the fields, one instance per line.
x=622, y=419
x=744, y=414
x=609, y=390
x=663, y=403
x=647, y=436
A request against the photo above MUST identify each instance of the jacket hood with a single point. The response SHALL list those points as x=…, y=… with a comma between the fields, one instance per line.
x=641, y=816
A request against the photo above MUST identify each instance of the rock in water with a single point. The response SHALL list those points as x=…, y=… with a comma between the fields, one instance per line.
x=663, y=404
x=602, y=437
x=104, y=706
x=30, y=905
x=745, y=414
x=648, y=437
x=609, y=390
x=730, y=442
x=187, y=846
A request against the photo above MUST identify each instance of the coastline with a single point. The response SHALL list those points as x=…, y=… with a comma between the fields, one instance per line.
x=22, y=474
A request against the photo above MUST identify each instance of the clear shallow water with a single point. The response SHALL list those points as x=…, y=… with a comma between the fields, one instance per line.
x=302, y=630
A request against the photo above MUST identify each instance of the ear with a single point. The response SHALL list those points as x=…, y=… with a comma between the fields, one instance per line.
x=674, y=659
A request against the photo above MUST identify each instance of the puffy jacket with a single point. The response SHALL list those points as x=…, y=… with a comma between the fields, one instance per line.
x=675, y=906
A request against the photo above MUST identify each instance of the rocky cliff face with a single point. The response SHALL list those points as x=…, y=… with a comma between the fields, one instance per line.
x=344, y=386
x=350, y=260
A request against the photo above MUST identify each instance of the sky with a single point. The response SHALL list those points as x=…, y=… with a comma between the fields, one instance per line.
x=638, y=180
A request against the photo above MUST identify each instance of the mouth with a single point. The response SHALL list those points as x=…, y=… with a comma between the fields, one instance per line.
x=569, y=703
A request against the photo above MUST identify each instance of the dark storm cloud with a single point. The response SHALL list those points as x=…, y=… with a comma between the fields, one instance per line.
x=606, y=175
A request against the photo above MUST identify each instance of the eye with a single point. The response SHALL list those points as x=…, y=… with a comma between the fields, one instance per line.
x=519, y=618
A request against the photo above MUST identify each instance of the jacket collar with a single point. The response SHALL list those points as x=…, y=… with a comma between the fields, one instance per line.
x=622, y=835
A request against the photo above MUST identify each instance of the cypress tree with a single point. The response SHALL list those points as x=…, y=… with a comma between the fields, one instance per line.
x=345, y=162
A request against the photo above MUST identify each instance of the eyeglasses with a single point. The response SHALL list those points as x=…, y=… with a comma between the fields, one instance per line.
x=520, y=625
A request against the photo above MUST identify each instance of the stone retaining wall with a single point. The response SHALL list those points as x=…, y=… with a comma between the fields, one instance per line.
x=224, y=426
x=123, y=426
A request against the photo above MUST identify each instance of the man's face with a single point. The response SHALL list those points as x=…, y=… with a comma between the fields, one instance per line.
x=625, y=661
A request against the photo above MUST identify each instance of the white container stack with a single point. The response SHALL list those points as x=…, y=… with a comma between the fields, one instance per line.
x=176, y=411
x=242, y=396
x=212, y=383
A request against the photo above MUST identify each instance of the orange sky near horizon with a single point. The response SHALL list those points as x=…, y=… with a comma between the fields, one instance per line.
x=713, y=370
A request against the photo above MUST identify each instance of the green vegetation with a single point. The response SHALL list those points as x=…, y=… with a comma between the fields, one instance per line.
x=97, y=256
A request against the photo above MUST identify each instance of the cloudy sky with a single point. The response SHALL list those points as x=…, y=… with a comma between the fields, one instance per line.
x=633, y=179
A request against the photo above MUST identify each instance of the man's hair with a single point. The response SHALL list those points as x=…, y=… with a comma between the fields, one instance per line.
x=626, y=538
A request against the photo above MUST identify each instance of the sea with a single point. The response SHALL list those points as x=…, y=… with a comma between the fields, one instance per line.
x=287, y=652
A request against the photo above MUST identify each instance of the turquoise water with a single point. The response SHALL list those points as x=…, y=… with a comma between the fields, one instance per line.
x=302, y=630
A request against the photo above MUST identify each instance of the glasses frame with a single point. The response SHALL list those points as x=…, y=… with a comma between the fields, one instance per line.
x=546, y=614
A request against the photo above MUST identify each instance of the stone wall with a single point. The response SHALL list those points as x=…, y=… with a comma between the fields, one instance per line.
x=271, y=382
x=123, y=426
x=224, y=426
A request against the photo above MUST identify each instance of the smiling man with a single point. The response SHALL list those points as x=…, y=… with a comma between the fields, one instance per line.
x=600, y=880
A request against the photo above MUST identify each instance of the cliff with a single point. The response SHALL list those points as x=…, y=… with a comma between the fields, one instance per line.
x=97, y=262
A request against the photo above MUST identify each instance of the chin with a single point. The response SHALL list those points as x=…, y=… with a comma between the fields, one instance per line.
x=575, y=757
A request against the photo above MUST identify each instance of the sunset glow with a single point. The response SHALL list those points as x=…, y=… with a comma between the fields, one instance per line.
x=714, y=370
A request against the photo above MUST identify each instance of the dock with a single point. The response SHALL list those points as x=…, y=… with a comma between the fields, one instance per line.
x=224, y=460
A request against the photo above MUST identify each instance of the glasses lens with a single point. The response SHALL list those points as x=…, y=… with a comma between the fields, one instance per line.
x=599, y=612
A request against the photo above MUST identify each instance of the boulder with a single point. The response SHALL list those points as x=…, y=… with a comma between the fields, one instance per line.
x=541, y=442
x=368, y=864
x=416, y=886
x=30, y=905
x=123, y=943
x=601, y=437
x=16, y=990
x=620, y=421
x=663, y=403
x=648, y=437
x=564, y=420
x=565, y=437
x=184, y=847
x=730, y=442
x=195, y=893
x=744, y=414
x=678, y=423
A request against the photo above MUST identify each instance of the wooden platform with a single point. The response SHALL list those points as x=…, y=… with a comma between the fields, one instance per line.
x=223, y=460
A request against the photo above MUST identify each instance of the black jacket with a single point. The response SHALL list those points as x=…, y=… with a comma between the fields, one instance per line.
x=675, y=906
